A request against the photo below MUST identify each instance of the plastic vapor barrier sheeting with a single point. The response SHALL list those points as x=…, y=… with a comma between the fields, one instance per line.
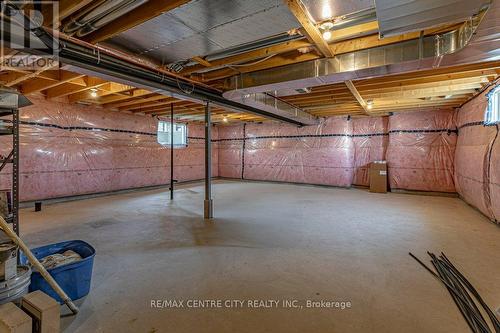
x=321, y=154
x=421, y=151
x=231, y=145
x=418, y=146
x=370, y=139
x=477, y=159
x=68, y=149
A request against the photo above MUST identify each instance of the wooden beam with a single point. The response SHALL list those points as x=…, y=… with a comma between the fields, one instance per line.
x=202, y=61
x=338, y=48
x=305, y=20
x=66, y=8
x=354, y=31
x=166, y=101
x=29, y=76
x=117, y=98
x=68, y=88
x=250, y=56
x=358, y=97
x=41, y=84
x=136, y=101
x=279, y=60
x=139, y=15
x=104, y=90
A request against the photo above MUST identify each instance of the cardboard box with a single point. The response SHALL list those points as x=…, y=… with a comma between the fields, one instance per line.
x=378, y=177
x=44, y=310
x=14, y=320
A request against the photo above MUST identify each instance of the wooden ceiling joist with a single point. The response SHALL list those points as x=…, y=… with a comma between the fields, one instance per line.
x=251, y=55
x=300, y=12
x=135, y=93
x=357, y=96
x=40, y=84
x=106, y=89
x=69, y=89
x=141, y=100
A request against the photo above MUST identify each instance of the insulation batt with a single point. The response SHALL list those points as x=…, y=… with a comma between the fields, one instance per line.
x=68, y=149
x=57, y=162
x=418, y=146
x=370, y=141
x=477, y=159
x=421, y=160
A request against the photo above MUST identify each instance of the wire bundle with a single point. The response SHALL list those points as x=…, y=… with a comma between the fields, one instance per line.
x=469, y=302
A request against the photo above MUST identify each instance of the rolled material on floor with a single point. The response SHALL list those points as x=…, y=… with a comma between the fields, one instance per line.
x=34, y=261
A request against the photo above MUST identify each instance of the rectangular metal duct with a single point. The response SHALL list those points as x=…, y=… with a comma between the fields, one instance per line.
x=202, y=27
x=325, y=9
x=430, y=52
x=396, y=17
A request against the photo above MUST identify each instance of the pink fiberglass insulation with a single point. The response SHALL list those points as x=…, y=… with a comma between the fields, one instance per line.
x=370, y=140
x=421, y=151
x=231, y=151
x=319, y=154
x=477, y=159
x=68, y=149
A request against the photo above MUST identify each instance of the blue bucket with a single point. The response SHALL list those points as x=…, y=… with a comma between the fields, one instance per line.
x=74, y=278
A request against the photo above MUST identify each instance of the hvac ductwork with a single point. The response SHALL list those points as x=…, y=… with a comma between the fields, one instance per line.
x=447, y=49
x=94, y=60
x=99, y=14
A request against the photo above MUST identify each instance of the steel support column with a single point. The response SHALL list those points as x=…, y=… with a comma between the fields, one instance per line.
x=172, y=151
x=208, y=211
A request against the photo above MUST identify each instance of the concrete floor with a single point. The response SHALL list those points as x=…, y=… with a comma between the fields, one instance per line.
x=272, y=241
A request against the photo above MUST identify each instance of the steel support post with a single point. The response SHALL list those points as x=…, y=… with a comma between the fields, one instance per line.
x=208, y=211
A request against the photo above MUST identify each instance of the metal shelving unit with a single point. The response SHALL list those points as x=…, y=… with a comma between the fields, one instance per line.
x=10, y=102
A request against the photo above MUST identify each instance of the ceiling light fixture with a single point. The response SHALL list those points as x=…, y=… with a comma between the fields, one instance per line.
x=326, y=27
x=225, y=119
x=93, y=92
x=369, y=104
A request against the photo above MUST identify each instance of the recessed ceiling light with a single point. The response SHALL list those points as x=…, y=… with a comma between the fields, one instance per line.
x=369, y=104
x=326, y=25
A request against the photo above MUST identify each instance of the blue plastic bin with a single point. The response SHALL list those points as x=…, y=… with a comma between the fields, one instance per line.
x=74, y=278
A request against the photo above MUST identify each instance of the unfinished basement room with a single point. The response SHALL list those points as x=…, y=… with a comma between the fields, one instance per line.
x=248, y=166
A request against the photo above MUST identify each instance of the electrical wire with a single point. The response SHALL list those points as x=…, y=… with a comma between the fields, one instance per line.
x=469, y=302
x=252, y=63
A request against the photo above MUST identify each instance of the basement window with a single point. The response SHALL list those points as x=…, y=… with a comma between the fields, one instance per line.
x=493, y=110
x=180, y=134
